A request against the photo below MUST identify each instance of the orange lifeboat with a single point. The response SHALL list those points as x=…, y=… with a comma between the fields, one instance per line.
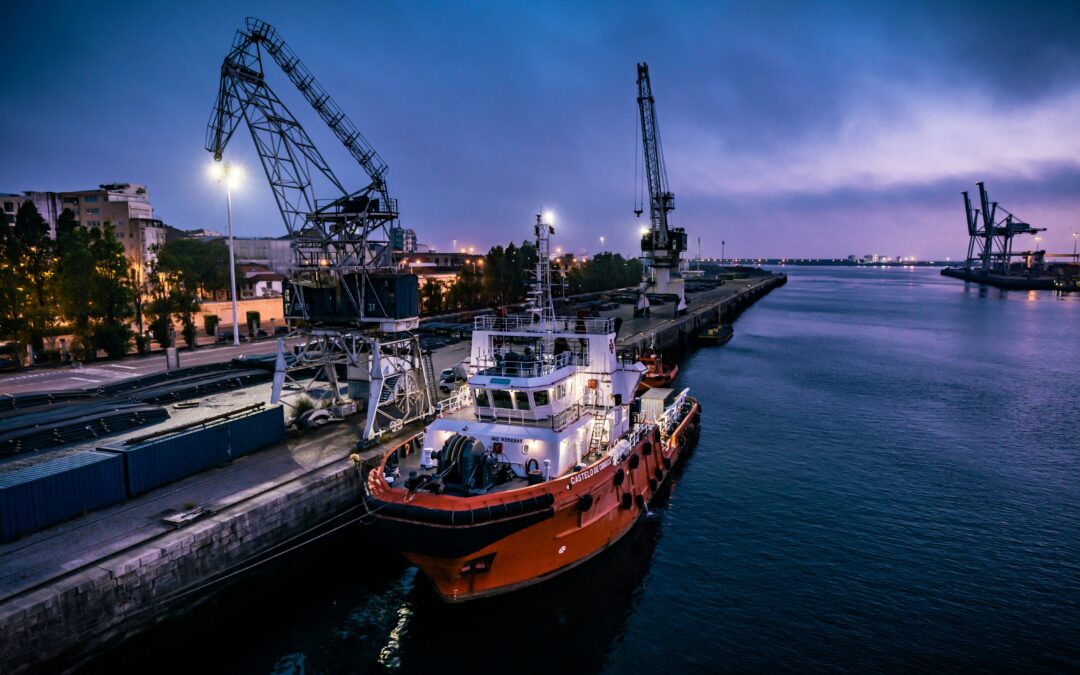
x=656, y=373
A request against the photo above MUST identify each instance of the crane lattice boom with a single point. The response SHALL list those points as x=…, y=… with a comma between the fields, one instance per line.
x=661, y=245
x=339, y=240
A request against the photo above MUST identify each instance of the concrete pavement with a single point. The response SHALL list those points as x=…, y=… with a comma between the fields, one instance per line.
x=97, y=373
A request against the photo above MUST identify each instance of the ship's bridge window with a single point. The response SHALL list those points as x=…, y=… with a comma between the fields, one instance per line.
x=501, y=399
x=481, y=397
x=521, y=400
x=541, y=397
x=560, y=390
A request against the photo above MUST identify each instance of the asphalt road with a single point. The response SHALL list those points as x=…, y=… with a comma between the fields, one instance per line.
x=103, y=372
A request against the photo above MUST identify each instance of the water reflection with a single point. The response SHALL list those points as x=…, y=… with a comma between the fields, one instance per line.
x=568, y=624
x=346, y=604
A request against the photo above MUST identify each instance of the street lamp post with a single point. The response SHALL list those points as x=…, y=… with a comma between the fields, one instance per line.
x=228, y=174
x=1076, y=235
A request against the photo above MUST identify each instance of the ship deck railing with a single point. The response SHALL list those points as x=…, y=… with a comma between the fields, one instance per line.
x=524, y=418
x=523, y=323
x=461, y=398
x=556, y=422
x=513, y=364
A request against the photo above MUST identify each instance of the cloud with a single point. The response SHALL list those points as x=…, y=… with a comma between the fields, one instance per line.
x=929, y=138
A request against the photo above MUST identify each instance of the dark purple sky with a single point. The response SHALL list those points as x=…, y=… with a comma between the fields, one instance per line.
x=789, y=129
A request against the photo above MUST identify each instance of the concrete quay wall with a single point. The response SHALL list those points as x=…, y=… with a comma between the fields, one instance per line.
x=64, y=622
x=676, y=334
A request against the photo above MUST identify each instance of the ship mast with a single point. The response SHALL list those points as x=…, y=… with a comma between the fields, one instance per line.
x=541, y=305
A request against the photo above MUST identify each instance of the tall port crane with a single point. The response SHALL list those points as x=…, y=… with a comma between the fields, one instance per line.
x=348, y=307
x=661, y=245
x=990, y=246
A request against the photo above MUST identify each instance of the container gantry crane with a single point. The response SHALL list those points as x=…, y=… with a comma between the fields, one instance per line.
x=661, y=246
x=990, y=247
x=349, y=309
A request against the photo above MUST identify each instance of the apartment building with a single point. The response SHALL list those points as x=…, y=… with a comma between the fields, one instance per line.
x=125, y=205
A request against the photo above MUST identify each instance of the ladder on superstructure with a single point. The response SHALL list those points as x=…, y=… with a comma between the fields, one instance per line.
x=599, y=432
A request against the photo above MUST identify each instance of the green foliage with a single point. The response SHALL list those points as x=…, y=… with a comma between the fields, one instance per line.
x=26, y=257
x=114, y=339
x=12, y=295
x=202, y=267
x=65, y=225
x=503, y=279
x=433, y=297
x=161, y=324
x=94, y=289
x=602, y=272
x=190, y=335
x=185, y=271
x=80, y=283
x=467, y=291
x=301, y=405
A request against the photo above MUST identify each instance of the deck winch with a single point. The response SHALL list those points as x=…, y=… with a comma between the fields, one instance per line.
x=466, y=464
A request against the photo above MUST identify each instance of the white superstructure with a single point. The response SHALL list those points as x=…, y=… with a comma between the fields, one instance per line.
x=544, y=392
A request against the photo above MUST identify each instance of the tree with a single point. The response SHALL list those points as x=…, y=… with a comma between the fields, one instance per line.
x=467, y=291
x=74, y=289
x=185, y=271
x=94, y=290
x=65, y=224
x=201, y=266
x=602, y=272
x=432, y=297
x=27, y=265
x=113, y=291
x=12, y=321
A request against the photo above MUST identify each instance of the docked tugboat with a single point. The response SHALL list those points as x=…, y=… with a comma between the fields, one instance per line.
x=716, y=335
x=542, y=461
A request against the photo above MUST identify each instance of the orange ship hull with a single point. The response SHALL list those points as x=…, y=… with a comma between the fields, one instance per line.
x=472, y=547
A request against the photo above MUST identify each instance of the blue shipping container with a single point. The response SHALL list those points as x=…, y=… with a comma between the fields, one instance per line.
x=52, y=492
x=157, y=463
x=151, y=465
x=254, y=432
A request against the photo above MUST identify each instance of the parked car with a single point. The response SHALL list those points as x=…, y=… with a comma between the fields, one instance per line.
x=450, y=378
x=9, y=356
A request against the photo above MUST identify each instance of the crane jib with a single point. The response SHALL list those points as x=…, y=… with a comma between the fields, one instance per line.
x=351, y=226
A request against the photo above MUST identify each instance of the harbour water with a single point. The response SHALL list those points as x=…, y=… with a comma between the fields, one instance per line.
x=887, y=478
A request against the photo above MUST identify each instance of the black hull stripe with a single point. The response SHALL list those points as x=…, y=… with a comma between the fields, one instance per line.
x=446, y=541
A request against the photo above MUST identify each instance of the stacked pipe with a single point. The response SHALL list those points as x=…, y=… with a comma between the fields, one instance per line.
x=50, y=426
x=43, y=420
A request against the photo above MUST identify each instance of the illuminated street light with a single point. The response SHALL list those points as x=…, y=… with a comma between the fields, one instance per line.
x=230, y=176
x=549, y=217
